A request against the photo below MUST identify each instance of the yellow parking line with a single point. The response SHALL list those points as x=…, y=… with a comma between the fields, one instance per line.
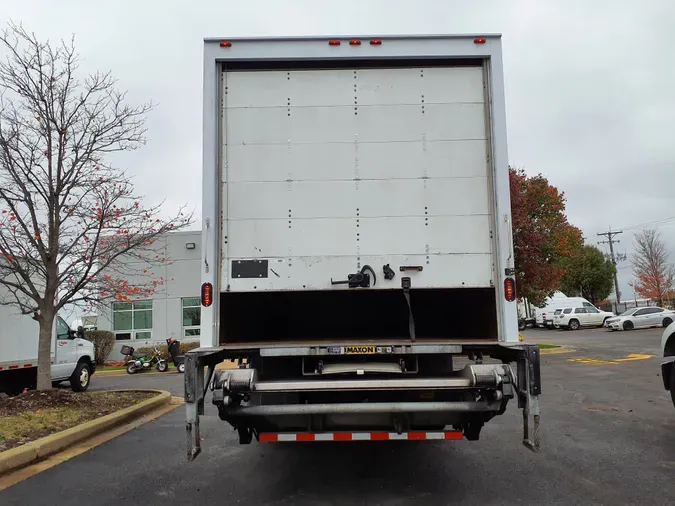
x=592, y=361
x=634, y=356
x=596, y=361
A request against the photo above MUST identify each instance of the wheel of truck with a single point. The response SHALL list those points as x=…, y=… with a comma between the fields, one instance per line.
x=574, y=325
x=131, y=368
x=604, y=322
x=666, y=322
x=181, y=368
x=521, y=324
x=628, y=325
x=79, y=381
x=56, y=384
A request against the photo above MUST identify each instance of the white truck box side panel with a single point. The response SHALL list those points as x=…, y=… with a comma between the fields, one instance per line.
x=442, y=271
x=367, y=199
x=18, y=336
x=325, y=223
x=333, y=161
x=395, y=123
x=396, y=86
x=376, y=236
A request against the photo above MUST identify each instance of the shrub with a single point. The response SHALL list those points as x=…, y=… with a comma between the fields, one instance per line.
x=104, y=341
x=164, y=350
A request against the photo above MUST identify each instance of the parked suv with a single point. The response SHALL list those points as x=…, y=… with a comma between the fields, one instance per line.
x=575, y=318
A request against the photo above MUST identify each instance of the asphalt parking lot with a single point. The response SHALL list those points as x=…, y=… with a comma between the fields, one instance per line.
x=608, y=437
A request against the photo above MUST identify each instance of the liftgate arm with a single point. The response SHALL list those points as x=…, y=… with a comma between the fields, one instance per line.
x=529, y=389
x=196, y=386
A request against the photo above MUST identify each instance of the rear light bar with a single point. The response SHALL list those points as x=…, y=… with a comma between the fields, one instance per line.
x=225, y=43
x=207, y=294
x=510, y=289
x=480, y=40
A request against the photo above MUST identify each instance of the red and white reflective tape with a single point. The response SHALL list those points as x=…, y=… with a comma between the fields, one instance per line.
x=359, y=436
x=14, y=366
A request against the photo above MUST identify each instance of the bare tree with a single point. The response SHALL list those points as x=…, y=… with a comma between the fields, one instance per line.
x=654, y=274
x=68, y=214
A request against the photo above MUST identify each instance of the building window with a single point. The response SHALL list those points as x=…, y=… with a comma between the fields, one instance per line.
x=132, y=320
x=192, y=317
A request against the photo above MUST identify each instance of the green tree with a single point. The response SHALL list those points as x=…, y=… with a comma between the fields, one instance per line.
x=542, y=237
x=588, y=274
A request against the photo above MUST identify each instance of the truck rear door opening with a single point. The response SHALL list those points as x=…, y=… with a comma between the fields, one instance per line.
x=357, y=241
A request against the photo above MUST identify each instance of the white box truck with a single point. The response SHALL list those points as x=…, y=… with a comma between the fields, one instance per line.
x=72, y=356
x=358, y=257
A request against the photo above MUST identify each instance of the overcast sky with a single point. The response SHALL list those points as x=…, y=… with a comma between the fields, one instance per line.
x=589, y=86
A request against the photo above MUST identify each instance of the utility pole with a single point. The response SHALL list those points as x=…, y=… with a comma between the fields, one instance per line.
x=614, y=258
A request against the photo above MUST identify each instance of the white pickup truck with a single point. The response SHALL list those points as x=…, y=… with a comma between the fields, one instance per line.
x=358, y=257
x=72, y=356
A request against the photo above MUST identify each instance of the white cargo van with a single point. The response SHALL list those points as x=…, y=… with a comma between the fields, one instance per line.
x=72, y=356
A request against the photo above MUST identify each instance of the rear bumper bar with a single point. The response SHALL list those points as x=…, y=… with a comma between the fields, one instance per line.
x=363, y=408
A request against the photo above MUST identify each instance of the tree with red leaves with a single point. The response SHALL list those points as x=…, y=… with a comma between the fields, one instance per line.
x=654, y=274
x=542, y=236
x=67, y=214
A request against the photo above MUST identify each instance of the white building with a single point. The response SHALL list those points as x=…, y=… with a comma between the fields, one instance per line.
x=174, y=309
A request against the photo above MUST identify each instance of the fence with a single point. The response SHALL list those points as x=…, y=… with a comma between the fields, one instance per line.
x=625, y=306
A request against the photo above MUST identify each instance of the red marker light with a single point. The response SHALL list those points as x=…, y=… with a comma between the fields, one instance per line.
x=354, y=42
x=333, y=42
x=207, y=294
x=225, y=43
x=479, y=40
x=376, y=42
x=510, y=289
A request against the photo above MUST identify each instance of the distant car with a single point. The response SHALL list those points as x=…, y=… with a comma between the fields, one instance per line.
x=556, y=313
x=640, y=318
x=668, y=362
x=575, y=318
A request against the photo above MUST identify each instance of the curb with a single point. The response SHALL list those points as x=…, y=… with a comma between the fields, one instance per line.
x=43, y=447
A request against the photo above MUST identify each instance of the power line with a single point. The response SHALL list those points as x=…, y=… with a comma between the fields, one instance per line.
x=610, y=234
x=662, y=221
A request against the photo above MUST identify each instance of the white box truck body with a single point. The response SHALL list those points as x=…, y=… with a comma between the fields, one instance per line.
x=357, y=241
x=72, y=356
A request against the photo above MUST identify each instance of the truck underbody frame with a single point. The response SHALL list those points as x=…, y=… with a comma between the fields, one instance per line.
x=471, y=396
